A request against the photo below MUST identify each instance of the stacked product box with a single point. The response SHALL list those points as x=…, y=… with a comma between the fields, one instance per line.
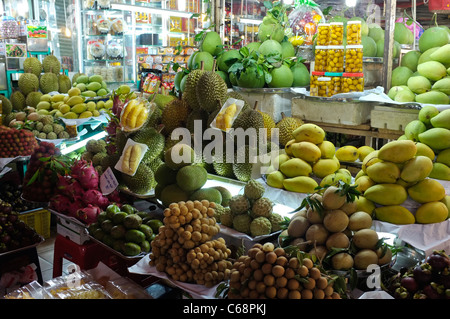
x=337, y=68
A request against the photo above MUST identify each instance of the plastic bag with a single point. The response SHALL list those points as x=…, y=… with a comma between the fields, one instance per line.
x=303, y=21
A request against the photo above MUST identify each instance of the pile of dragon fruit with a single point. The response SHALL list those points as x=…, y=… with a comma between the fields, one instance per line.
x=78, y=193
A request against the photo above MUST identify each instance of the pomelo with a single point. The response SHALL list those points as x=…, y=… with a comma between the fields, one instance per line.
x=253, y=47
x=227, y=58
x=281, y=77
x=301, y=75
x=270, y=47
x=271, y=31
x=287, y=49
x=225, y=77
x=206, y=57
x=369, y=46
x=400, y=76
x=411, y=60
x=210, y=42
x=250, y=78
x=402, y=34
x=376, y=32
x=433, y=37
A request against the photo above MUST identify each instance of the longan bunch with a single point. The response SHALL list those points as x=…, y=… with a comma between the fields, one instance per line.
x=209, y=262
x=183, y=247
x=193, y=222
x=269, y=272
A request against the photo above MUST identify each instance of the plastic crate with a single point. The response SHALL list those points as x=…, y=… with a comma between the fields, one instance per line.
x=39, y=220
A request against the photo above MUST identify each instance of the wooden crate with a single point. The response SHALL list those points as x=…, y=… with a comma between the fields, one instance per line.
x=392, y=118
x=333, y=112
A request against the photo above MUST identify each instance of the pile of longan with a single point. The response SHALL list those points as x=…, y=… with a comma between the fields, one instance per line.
x=269, y=272
x=183, y=247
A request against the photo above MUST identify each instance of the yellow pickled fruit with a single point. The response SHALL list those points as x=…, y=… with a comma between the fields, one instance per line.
x=394, y=214
x=431, y=212
x=347, y=153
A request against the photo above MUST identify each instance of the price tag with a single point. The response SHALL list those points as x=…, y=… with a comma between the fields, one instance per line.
x=108, y=182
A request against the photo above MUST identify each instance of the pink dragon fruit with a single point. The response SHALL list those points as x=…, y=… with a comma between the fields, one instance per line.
x=95, y=197
x=114, y=197
x=69, y=187
x=74, y=207
x=88, y=214
x=60, y=203
x=86, y=174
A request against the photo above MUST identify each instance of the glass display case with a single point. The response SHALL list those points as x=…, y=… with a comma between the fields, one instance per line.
x=118, y=39
x=105, y=45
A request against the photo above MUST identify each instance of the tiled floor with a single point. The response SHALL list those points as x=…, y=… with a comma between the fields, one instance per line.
x=45, y=253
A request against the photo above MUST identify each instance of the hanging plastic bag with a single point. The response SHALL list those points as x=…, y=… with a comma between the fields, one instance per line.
x=303, y=21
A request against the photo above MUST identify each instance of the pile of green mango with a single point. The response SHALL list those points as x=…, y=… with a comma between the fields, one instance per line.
x=432, y=128
x=91, y=86
x=125, y=229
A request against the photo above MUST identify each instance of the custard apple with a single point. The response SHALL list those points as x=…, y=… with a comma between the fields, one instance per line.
x=253, y=189
x=226, y=218
x=239, y=204
x=262, y=207
x=275, y=220
x=241, y=223
x=260, y=226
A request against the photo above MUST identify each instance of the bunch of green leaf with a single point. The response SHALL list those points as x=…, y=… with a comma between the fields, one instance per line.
x=276, y=11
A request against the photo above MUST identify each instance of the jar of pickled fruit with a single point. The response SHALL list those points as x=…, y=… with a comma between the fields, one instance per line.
x=320, y=59
x=336, y=33
x=323, y=34
x=352, y=82
x=353, y=32
x=354, y=59
x=335, y=58
x=334, y=87
x=322, y=85
x=313, y=88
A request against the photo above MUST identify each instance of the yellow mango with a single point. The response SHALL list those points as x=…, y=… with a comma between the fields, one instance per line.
x=394, y=214
x=347, y=153
x=386, y=194
x=431, y=212
x=397, y=151
x=383, y=172
x=300, y=184
x=325, y=166
x=307, y=151
x=427, y=190
x=309, y=132
x=416, y=169
x=295, y=167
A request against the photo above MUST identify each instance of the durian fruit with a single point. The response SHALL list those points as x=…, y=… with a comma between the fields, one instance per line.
x=210, y=88
x=174, y=115
x=28, y=82
x=222, y=167
x=33, y=98
x=33, y=65
x=141, y=182
x=18, y=101
x=199, y=114
x=212, y=116
x=51, y=64
x=269, y=123
x=64, y=83
x=48, y=82
x=153, y=139
x=242, y=166
x=190, y=89
x=286, y=126
x=248, y=119
x=6, y=105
